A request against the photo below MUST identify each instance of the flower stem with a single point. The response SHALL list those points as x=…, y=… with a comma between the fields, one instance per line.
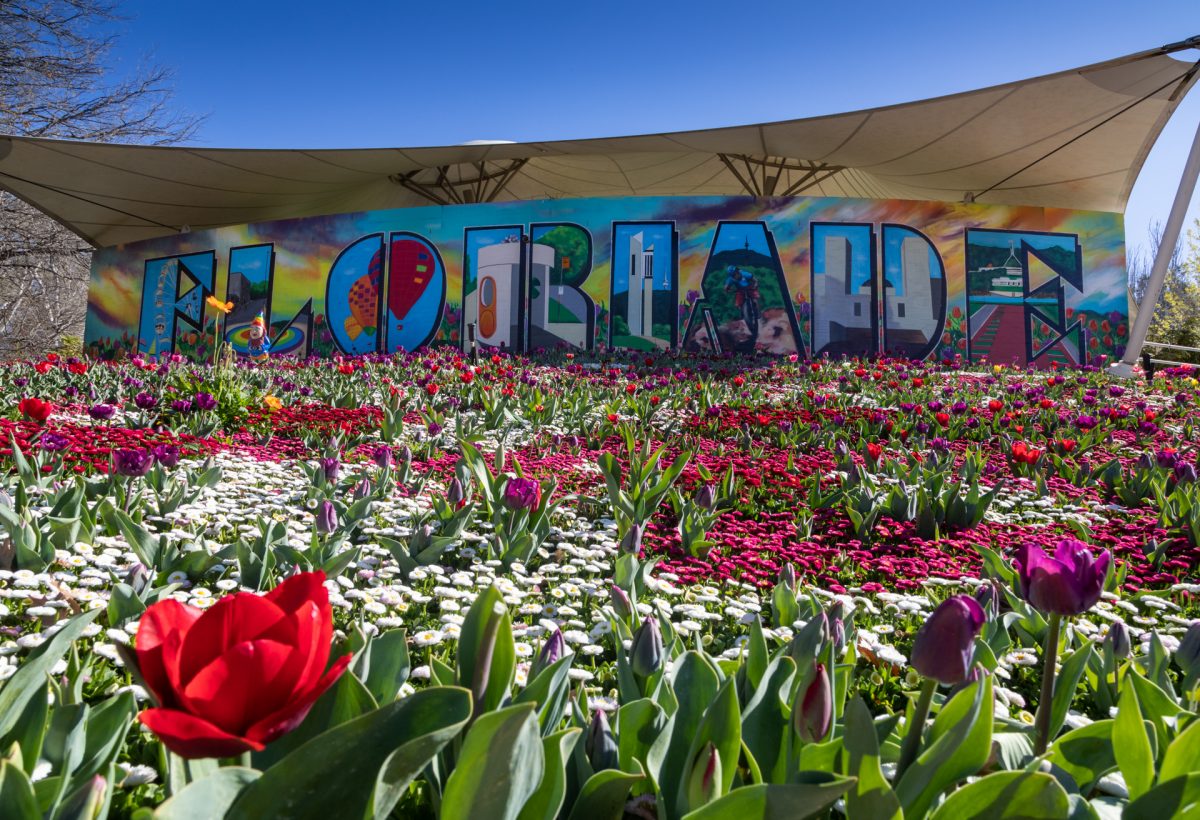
x=912, y=740
x=1046, y=703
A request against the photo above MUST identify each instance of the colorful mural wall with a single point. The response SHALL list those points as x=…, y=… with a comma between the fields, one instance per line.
x=813, y=276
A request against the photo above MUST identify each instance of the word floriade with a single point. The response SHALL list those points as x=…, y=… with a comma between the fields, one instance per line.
x=624, y=586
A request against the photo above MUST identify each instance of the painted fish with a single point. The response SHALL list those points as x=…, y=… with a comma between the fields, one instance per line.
x=364, y=300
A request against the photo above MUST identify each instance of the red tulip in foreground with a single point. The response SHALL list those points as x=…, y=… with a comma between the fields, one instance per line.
x=234, y=677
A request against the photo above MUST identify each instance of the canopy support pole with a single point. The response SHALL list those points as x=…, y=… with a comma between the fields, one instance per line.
x=1158, y=273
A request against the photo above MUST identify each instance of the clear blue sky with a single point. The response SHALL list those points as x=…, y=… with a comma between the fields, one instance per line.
x=276, y=74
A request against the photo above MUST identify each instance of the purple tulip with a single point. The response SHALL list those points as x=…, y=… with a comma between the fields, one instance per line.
x=331, y=467
x=631, y=543
x=706, y=497
x=646, y=648
x=382, y=456
x=522, y=494
x=1187, y=655
x=101, y=412
x=132, y=463
x=945, y=643
x=145, y=401
x=362, y=489
x=600, y=744
x=621, y=603
x=327, y=518
x=1069, y=583
x=551, y=652
x=53, y=442
x=454, y=492
x=205, y=401
x=182, y=405
x=167, y=455
x=1118, y=638
x=814, y=712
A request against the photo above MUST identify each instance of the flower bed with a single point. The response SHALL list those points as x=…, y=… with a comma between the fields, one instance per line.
x=529, y=587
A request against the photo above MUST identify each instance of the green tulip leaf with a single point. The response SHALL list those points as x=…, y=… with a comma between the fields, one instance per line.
x=549, y=692
x=765, y=726
x=335, y=773
x=722, y=727
x=499, y=768
x=486, y=653
x=30, y=677
x=872, y=796
x=958, y=746
x=1021, y=794
x=384, y=665
x=209, y=796
x=695, y=685
x=1131, y=743
x=1065, y=685
x=346, y=700
x=637, y=726
x=1175, y=798
x=544, y=804
x=1085, y=753
x=774, y=801
x=1183, y=755
x=603, y=796
x=17, y=800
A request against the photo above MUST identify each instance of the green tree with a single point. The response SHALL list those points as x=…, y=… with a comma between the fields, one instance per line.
x=1176, y=318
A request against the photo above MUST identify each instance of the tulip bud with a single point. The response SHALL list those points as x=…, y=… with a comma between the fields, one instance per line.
x=1187, y=656
x=331, y=467
x=362, y=489
x=988, y=598
x=631, y=544
x=1118, y=639
x=138, y=577
x=552, y=651
x=405, y=455
x=945, y=643
x=706, y=497
x=87, y=801
x=646, y=649
x=838, y=629
x=621, y=603
x=813, y=713
x=454, y=493
x=787, y=576
x=382, y=456
x=327, y=518
x=704, y=783
x=601, y=746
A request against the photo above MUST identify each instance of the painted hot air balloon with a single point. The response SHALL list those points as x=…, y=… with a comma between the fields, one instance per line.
x=364, y=297
x=412, y=269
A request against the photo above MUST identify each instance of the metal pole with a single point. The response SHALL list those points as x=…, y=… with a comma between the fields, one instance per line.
x=1158, y=273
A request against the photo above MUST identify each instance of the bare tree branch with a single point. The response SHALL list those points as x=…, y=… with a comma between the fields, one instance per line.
x=55, y=81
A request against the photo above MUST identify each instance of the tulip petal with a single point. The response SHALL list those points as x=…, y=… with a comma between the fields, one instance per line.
x=292, y=715
x=230, y=621
x=312, y=632
x=159, y=638
x=236, y=689
x=193, y=737
x=300, y=589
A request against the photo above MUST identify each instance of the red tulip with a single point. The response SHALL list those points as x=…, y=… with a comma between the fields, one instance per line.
x=234, y=677
x=35, y=409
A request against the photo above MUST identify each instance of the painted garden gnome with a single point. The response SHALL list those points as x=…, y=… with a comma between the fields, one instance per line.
x=259, y=344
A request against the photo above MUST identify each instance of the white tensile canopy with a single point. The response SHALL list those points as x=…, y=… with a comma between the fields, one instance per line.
x=1076, y=139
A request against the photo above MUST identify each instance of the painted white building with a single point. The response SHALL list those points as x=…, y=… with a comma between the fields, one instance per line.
x=911, y=307
x=641, y=287
x=836, y=307
x=497, y=294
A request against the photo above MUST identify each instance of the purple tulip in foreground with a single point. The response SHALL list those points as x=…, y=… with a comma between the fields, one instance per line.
x=1067, y=583
x=327, y=518
x=522, y=494
x=945, y=643
x=132, y=463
